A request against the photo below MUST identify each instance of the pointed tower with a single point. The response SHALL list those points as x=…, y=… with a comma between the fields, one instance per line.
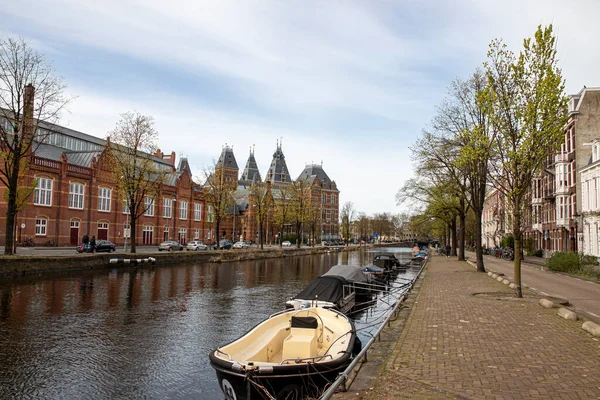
x=278, y=171
x=227, y=166
x=251, y=173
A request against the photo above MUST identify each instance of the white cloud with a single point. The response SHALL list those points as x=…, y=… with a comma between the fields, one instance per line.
x=313, y=69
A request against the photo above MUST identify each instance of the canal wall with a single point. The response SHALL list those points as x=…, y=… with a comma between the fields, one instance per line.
x=31, y=264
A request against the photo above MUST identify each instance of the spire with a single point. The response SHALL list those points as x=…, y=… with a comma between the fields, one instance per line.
x=278, y=171
x=251, y=172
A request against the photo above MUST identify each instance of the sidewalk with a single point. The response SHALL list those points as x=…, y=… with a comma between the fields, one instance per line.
x=457, y=345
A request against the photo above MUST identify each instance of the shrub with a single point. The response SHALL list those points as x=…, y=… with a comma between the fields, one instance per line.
x=508, y=241
x=564, y=261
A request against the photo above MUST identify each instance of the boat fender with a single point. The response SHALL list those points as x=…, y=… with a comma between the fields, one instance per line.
x=265, y=370
x=237, y=367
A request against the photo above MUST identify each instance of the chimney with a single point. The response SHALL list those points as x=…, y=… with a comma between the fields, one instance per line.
x=28, y=114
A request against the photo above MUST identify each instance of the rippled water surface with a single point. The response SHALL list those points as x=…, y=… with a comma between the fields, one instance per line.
x=146, y=333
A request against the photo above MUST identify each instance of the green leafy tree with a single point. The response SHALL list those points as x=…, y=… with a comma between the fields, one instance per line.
x=525, y=94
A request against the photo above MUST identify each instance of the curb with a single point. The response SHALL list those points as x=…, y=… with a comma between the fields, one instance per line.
x=590, y=327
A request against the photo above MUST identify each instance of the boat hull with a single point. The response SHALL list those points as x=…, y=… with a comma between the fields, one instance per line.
x=289, y=382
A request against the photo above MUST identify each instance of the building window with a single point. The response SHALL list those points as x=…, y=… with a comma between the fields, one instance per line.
x=196, y=233
x=76, y=195
x=167, y=208
x=183, y=209
x=209, y=233
x=324, y=198
x=166, y=233
x=126, y=230
x=125, y=206
x=149, y=206
x=42, y=195
x=333, y=199
x=323, y=214
x=211, y=214
x=182, y=235
x=104, y=199
x=197, y=211
x=40, y=226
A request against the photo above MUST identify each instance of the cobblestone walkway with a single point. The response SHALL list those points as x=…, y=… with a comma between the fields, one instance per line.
x=467, y=337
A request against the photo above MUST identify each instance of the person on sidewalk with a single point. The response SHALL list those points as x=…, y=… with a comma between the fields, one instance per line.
x=85, y=241
x=448, y=248
x=92, y=244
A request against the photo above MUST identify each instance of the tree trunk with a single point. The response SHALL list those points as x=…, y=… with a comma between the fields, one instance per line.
x=133, y=220
x=453, y=236
x=517, y=235
x=461, y=245
x=260, y=233
x=11, y=211
x=217, y=235
x=478, y=244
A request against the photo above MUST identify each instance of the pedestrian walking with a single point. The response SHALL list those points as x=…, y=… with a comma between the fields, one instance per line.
x=85, y=241
x=92, y=244
x=448, y=248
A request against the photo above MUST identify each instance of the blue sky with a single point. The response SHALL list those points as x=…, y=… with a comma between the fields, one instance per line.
x=348, y=83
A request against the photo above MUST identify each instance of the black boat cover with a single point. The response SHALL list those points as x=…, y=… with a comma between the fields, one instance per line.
x=327, y=288
x=305, y=322
x=350, y=272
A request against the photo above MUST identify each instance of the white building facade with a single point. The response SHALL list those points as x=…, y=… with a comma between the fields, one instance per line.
x=590, y=202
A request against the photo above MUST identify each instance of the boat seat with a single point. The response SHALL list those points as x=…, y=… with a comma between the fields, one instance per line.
x=302, y=341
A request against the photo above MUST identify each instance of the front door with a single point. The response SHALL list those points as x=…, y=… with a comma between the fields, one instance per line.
x=102, y=230
x=74, y=240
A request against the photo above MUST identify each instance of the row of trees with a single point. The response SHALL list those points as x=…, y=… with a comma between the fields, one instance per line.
x=494, y=129
x=362, y=226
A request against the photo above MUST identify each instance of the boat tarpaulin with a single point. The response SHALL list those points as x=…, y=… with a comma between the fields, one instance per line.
x=327, y=288
x=352, y=273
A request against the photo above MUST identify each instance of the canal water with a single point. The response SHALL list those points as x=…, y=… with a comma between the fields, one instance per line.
x=146, y=333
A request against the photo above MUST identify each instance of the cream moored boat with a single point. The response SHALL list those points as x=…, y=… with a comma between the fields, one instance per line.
x=292, y=354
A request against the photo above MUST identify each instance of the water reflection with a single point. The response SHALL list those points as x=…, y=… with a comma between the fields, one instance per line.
x=139, y=333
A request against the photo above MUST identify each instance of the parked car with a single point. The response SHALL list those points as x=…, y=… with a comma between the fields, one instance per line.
x=196, y=245
x=240, y=245
x=170, y=245
x=225, y=244
x=105, y=245
x=286, y=243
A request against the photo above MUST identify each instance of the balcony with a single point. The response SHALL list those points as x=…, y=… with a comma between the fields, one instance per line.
x=562, y=222
x=561, y=158
x=562, y=188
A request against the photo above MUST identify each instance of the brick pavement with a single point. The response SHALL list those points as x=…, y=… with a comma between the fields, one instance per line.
x=457, y=345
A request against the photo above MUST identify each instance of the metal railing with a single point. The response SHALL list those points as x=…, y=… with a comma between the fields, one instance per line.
x=343, y=376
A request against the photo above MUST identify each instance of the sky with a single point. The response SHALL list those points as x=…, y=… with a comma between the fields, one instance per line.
x=349, y=84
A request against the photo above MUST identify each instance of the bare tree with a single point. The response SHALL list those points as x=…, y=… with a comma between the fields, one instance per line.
x=282, y=197
x=262, y=203
x=218, y=193
x=314, y=218
x=301, y=199
x=30, y=94
x=139, y=177
x=347, y=216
